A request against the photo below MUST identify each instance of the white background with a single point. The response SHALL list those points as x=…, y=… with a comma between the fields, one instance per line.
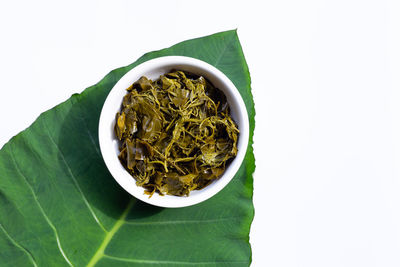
x=326, y=82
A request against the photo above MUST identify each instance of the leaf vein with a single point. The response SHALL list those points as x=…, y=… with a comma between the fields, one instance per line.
x=83, y=118
x=75, y=181
x=182, y=221
x=167, y=262
x=223, y=52
x=15, y=243
x=40, y=208
x=91, y=137
x=107, y=238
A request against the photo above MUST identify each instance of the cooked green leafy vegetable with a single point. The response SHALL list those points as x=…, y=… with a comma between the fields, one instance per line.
x=176, y=133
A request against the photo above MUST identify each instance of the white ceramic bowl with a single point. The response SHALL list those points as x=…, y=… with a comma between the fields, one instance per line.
x=153, y=69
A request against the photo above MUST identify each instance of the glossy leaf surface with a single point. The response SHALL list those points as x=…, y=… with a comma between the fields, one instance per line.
x=59, y=206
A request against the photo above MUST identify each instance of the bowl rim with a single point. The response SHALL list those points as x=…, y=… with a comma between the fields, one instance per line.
x=106, y=143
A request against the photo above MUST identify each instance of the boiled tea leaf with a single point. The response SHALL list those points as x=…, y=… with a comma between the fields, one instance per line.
x=176, y=133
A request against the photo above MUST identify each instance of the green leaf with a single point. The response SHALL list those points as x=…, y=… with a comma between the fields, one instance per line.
x=59, y=206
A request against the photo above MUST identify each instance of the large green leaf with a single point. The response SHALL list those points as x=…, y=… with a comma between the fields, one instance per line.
x=59, y=206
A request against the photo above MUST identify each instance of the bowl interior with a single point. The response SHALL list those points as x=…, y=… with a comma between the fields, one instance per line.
x=153, y=69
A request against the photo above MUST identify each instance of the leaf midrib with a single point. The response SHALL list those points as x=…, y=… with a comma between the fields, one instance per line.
x=107, y=238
